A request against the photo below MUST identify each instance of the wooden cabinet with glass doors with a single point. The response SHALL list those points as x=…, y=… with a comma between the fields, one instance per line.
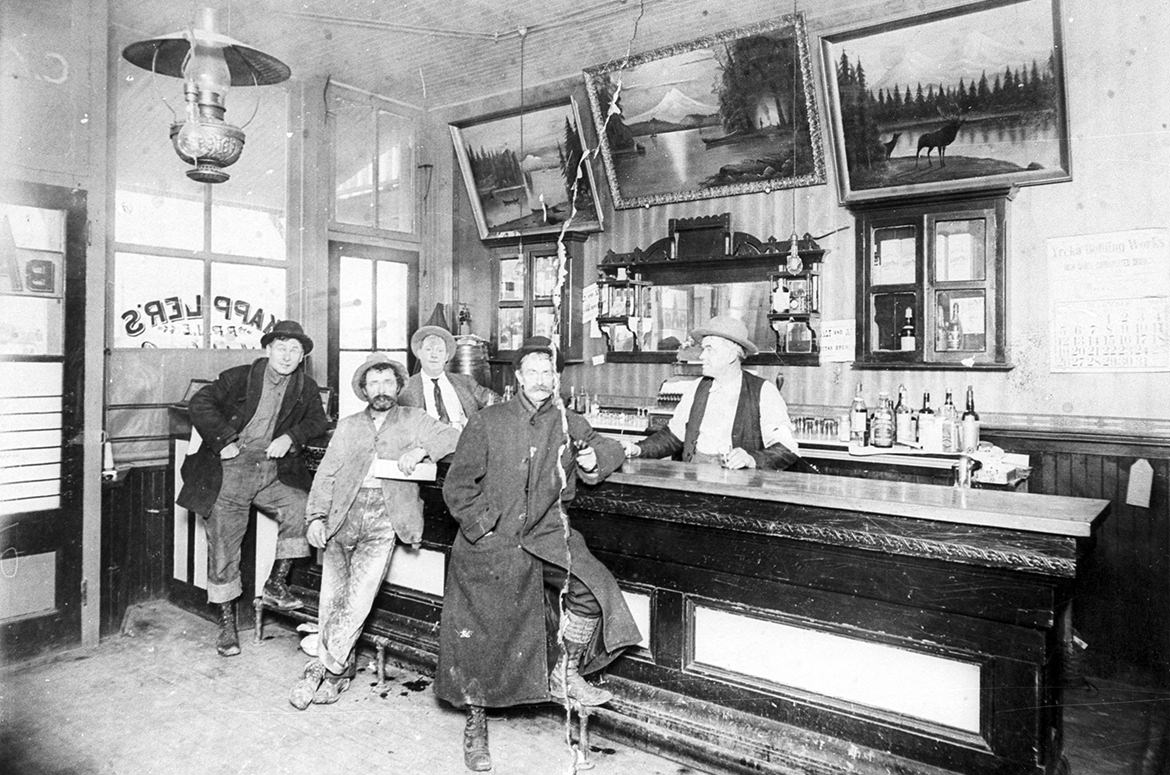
x=526, y=299
x=931, y=283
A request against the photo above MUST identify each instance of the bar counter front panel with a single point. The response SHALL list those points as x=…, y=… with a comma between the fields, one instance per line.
x=812, y=624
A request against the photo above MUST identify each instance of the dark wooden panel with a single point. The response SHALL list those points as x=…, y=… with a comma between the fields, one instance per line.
x=137, y=539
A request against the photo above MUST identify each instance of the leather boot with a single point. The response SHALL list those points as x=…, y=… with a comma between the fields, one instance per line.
x=228, y=642
x=476, y=755
x=565, y=681
x=276, y=591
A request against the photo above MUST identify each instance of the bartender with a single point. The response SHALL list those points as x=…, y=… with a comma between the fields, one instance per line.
x=729, y=417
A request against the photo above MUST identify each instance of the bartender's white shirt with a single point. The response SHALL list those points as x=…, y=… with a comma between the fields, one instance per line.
x=451, y=402
x=722, y=401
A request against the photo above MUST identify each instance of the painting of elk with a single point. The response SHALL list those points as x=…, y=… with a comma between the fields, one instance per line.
x=940, y=139
x=980, y=87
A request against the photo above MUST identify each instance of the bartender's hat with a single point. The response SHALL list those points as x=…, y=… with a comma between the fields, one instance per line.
x=728, y=327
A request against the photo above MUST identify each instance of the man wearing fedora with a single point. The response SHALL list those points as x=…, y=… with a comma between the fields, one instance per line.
x=729, y=416
x=254, y=421
x=515, y=471
x=451, y=398
x=356, y=516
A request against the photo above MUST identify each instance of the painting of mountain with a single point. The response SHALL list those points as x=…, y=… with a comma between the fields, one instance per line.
x=730, y=114
x=960, y=99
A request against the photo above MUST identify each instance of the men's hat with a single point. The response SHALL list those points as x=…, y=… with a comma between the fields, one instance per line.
x=728, y=327
x=376, y=359
x=436, y=326
x=288, y=329
x=539, y=344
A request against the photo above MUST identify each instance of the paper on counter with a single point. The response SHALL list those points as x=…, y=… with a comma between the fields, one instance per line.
x=388, y=469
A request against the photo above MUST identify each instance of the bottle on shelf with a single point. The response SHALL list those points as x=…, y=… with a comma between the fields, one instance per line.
x=970, y=423
x=906, y=336
x=858, y=416
x=954, y=330
x=950, y=425
x=883, y=422
x=903, y=419
x=940, y=329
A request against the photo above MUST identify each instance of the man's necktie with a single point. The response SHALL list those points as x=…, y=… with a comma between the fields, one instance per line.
x=440, y=407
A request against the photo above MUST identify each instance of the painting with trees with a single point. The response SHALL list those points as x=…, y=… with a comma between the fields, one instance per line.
x=526, y=172
x=959, y=99
x=729, y=114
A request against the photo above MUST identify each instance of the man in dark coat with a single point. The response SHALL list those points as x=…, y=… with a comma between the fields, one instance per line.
x=254, y=421
x=448, y=397
x=513, y=474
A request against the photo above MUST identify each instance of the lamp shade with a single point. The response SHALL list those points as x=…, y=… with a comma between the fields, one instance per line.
x=166, y=55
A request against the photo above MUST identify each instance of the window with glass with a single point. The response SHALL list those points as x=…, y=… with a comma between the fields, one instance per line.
x=931, y=283
x=374, y=163
x=197, y=265
x=527, y=302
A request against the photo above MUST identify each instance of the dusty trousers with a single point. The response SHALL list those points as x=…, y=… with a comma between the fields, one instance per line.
x=356, y=560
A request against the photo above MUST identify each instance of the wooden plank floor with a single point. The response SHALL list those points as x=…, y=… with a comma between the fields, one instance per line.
x=158, y=700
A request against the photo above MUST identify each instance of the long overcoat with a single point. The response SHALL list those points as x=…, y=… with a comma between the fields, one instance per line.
x=504, y=481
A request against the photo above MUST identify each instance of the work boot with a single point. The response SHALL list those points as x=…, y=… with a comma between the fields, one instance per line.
x=476, y=755
x=334, y=684
x=228, y=642
x=276, y=591
x=304, y=689
x=565, y=681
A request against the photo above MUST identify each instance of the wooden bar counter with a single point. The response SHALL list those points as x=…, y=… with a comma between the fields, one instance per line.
x=817, y=624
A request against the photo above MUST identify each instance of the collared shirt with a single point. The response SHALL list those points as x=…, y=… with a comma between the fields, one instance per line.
x=258, y=432
x=455, y=414
x=722, y=402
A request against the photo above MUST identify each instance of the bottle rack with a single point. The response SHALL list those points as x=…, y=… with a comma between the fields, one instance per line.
x=795, y=308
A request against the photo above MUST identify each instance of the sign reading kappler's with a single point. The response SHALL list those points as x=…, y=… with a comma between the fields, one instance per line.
x=173, y=321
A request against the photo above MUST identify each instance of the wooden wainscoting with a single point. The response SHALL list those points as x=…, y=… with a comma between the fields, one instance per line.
x=1122, y=608
x=136, y=542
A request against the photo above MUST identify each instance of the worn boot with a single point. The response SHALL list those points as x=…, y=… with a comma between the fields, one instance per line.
x=476, y=755
x=565, y=679
x=304, y=689
x=228, y=642
x=276, y=591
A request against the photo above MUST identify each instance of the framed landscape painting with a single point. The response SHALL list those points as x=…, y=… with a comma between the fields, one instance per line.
x=961, y=99
x=733, y=113
x=523, y=170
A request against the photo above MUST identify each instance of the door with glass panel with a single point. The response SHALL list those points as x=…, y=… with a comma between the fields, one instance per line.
x=42, y=345
x=372, y=307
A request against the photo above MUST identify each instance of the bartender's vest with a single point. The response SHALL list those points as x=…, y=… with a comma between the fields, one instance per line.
x=745, y=429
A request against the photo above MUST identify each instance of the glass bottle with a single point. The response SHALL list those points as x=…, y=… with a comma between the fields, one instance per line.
x=883, y=422
x=906, y=338
x=858, y=415
x=970, y=423
x=903, y=419
x=928, y=435
x=940, y=329
x=949, y=416
x=954, y=330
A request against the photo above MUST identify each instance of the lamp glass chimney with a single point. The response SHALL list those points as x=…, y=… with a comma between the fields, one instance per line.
x=206, y=72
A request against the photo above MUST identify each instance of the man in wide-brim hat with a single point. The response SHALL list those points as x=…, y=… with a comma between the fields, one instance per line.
x=254, y=421
x=730, y=417
x=357, y=517
x=449, y=397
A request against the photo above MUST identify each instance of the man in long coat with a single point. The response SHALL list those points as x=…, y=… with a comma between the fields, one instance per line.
x=513, y=473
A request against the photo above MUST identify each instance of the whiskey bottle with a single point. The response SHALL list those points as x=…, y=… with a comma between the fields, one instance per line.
x=906, y=338
x=928, y=427
x=858, y=416
x=903, y=419
x=950, y=425
x=954, y=330
x=970, y=423
x=883, y=422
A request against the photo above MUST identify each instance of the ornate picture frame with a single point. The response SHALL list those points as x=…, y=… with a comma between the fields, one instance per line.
x=733, y=113
x=519, y=168
x=960, y=99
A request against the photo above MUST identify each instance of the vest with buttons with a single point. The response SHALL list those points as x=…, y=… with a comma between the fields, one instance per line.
x=745, y=429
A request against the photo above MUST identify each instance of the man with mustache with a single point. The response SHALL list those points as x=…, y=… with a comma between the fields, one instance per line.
x=514, y=472
x=356, y=517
